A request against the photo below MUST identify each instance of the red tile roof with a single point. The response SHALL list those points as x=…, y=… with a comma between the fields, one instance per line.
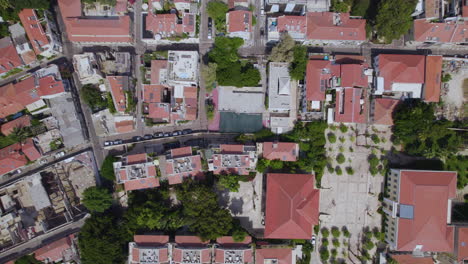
x=448, y=32
x=318, y=73
x=399, y=68
x=156, y=67
x=292, y=206
x=9, y=58
x=143, y=183
x=428, y=192
x=30, y=150
x=137, y=158
x=124, y=126
x=229, y=240
x=23, y=121
x=189, y=22
x=8, y=101
x=231, y=149
x=54, y=251
x=348, y=106
x=194, y=169
x=462, y=243
x=409, y=259
x=151, y=239
x=433, y=78
x=352, y=75
x=153, y=93
x=282, y=255
x=11, y=158
x=297, y=24
x=181, y=152
x=164, y=24
x=190, y=240
x=118, y=94
x=204, y=255
x=105, y=29
x=240, y=21
x=50, y=86
x=284, y=151
x=158, y=111
x=32, y=26
x=465, y=9
x=383, y=110
x=321, y=25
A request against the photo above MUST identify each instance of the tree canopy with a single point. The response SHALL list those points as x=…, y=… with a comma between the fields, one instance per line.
x=102, y=240
x=9, y=9
x=217, y=10
x=107, y=168
x=230, y=70
x=200, y=206
x=97, y=199
x=421, y=134
x=27, y=259
x=230, y=182
x=298, y=66
x=93, y=97
x=283, y=51
x=394, y=18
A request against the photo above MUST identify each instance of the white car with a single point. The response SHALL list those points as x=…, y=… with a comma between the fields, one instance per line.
x=312, y=240
x=60, y=154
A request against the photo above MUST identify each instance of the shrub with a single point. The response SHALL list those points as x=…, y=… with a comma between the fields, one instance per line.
x=338, y=170
x=349, y=170
x=369, y=245
x=325, y=242
x=330, y=168
x=446, y=77
x=325, y=232
x=107, y=168
x=343, y=128
x=335, y=232
x=331, y=137
x=340, y=158
x=97, y=199
x=342, y=139
x=345, y=231
x=334, y=253
x=375, y=139
x=336, y=243
x=324, y=254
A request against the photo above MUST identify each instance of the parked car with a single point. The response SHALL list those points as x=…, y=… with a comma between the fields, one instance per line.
x=176, y=133
x=60, y=154
x=312, y=240
x=137, y=138
x=108, y=143
x=159, y=135
x=187, y=131
x=118, y=141
x=148, y=136
x=167, y=134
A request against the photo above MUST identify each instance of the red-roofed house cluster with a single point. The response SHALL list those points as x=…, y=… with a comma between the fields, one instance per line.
x=160, y=249
x=9, y=58
x=181, y=164
x=348, y=77
x=98, y=27
x=178, y=22
x=318, y=26
x=17, y=155
x=233, y=159
x=42, y=38
x=137, y=172
x=31, y=92
x=172, y=95
x=239, y=24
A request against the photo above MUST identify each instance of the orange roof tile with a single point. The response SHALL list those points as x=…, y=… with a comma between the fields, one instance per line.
x=137, y=158
x=30, y=150
x=32, y=26
x=433, y=78
x=348, y=106
x=282, y=255
x=156, y=67
x=140, y=184
x=428, y=192
x=462, y=244
x=320, y=25
x=54, y=251
x=297, y=24
x=9, y=58
x=399, y=68
x=117, y=84
x=230, y=240
x=383, y=110
x=181, y=152
x=284, y=151
x=151, y=239
x=23, y=121
x=124, y=126
x=409, y=259
x=292, y=206
x=240, y=21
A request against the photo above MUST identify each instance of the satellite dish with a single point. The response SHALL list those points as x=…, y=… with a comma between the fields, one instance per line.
x=157, y=37
x=144, y=6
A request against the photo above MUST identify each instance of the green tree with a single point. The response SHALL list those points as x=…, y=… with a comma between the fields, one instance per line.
x=299, y=63
x=345, y=231
x=360, y=7
x=230, y=182
x=325, y=232
x=101, y=240
x=208, y=73
x=340, y=6
x=331, y=137
x=459, y=164
x=394, y=18
x=20, y=134
x=107, y=168
x=97, y=199
x=4, y=29
x=283, y=51
x=420, y=133
x=217, y=10
x=446, y=77
x=93, y=97
x=335, y=232
x=239, y=235
x=340, y=158
x=28, y=259
x=200, y=206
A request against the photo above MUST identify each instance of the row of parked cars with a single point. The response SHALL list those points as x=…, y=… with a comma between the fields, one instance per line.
x=149, y=136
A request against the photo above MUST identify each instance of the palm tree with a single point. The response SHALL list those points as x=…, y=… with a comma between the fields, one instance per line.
x=20, y=134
